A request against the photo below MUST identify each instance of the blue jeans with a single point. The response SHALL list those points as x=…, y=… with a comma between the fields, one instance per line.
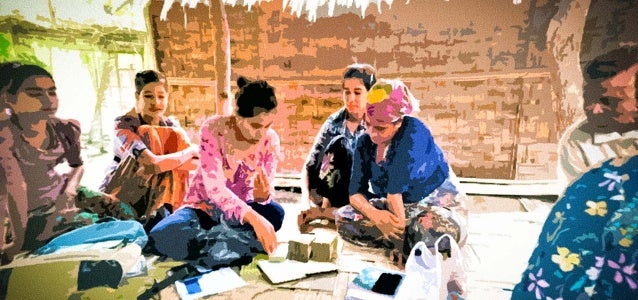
x=192, y=235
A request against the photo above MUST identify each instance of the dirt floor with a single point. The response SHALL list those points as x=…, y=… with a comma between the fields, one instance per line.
x=502, y=234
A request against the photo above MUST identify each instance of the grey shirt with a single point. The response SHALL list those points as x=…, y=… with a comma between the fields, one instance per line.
x=580, y=151
x=40, y=169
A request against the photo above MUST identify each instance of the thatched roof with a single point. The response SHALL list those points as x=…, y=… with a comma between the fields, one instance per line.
x=296, y=7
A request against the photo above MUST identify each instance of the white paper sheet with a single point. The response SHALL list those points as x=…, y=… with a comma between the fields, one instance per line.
x=288, y=270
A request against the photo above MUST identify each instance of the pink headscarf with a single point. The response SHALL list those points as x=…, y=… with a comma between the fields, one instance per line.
x=389, y=100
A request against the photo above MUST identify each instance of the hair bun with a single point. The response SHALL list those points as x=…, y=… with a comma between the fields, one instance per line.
x=242, y=81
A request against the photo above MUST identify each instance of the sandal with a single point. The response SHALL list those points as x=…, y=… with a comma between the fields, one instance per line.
x=313, y=218
x=308, y=215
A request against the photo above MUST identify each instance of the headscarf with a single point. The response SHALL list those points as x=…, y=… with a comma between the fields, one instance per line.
x=389, y=100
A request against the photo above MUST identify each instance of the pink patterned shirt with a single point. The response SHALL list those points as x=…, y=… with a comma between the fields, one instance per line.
x=225, y=177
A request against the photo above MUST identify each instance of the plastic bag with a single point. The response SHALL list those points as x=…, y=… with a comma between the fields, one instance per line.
x=423, y=273
x=453, y=277
x=431, y=276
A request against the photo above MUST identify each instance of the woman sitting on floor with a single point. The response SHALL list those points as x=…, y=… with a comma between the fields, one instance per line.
x=414, y=194
x=229, y=214
x=328, y=166
x=152, y=158
x=35, y=149
x=587, y=247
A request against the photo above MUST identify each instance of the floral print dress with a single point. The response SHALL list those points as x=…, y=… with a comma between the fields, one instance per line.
x=209, y=229
x=586, y=249
x=329, y=163
x=225, y=180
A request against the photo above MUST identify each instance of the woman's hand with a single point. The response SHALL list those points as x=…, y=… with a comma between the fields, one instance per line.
x=66, y=203
x=71, y=192
x=263, y=229
x=8, y=252
x=192, y=151
x=389, y=224
x=190, y=165
x=151, y=164
x=261, y=191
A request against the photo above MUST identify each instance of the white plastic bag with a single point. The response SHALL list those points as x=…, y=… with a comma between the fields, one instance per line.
x=422, y=274
x=453, y=276
x=430, y=276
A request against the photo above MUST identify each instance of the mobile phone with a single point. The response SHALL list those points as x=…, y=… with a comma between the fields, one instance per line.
x=387, y=283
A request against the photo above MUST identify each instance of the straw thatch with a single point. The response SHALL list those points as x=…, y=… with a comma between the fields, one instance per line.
x=296, y=7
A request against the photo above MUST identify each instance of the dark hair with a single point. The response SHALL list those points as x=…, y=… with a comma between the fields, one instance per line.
x=145, y=77
x=365, y=72
x=604, y=67
x=13, y=74
x=254, y=97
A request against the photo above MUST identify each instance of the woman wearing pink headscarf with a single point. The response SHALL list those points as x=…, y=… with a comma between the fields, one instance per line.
x=402, y=190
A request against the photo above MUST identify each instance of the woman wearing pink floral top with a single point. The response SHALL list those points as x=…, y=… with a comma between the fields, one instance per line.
x=229, y=215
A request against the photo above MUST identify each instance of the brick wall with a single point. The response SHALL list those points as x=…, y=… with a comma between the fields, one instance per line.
x=475, y=65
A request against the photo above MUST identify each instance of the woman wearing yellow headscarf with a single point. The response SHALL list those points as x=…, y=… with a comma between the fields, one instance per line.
x=402, y=190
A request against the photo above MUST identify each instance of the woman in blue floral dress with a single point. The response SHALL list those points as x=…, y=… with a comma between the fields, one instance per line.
x=586, y=249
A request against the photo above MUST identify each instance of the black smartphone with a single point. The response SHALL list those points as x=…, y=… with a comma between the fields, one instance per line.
x=387, y=283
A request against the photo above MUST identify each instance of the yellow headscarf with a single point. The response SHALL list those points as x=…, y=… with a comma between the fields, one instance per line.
x=389, y=100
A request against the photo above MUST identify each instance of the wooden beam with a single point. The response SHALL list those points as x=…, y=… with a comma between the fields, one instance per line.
x=471, y=186
x=76, y=36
